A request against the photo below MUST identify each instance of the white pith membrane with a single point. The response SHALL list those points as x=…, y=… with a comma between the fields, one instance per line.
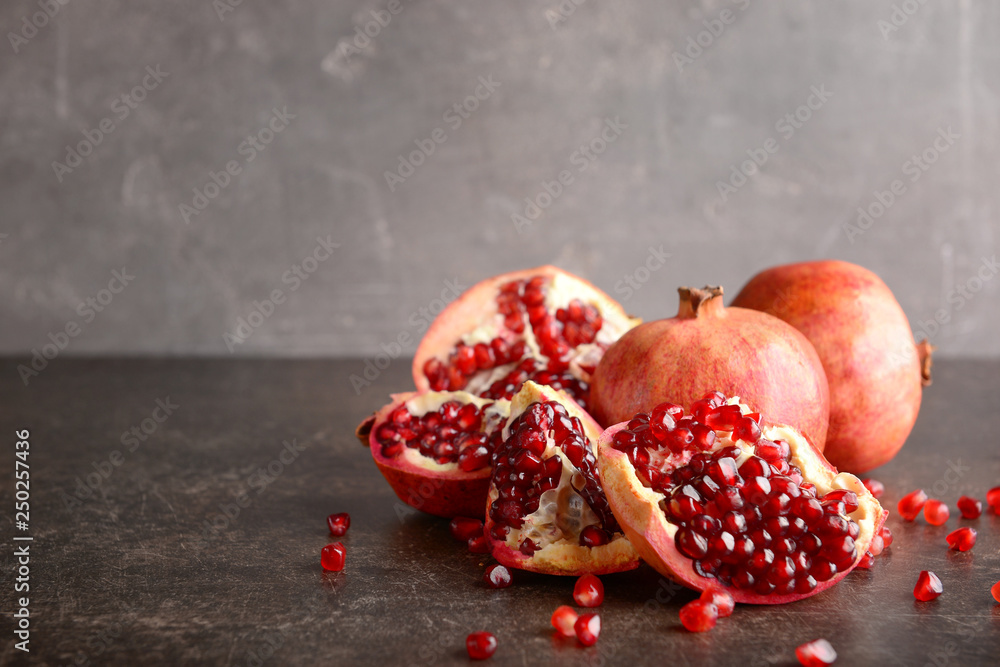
x=419, y=405
x=562, y=513
x=620, y=479
x=560, y=290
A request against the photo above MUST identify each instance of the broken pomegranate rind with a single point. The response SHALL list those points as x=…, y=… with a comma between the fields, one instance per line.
x=639, y=508
x=440, y=488
x=537, y=524
x=544, y=325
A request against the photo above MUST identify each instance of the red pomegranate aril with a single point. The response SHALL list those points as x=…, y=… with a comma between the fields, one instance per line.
x=866, y=561
x=970, y=508
x=497, y=576
x=877, y=545
x=886, y=537
x=592, y=536
x=822, y=569
x=563, y=620
x=849, y=498
x=817, y=653
x=995, y=590
x=722, y=599
x=338, y=523
x=699, y=615
x=875, y=487
x=936, y=512
x=909, y=506
x=691, y=544
x=993, y=499
x=588, y=591
x=332, y=557
x=772, y=452
x=479, y=545
x=928, y=586
x=962, y=539
x=587, y=628
x=480, y=645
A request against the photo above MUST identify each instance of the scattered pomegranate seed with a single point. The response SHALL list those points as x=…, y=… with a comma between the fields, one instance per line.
x=722, y=600
x=338, y=523
x=497, y=576
x=563, y=620
x=463, y=528
x=970, y=507
x=817, y=653
x=993, y=498
x=910, y=505
x=928, y=586
x=936, y=512
x=962, y=539
x=588, y=591
x=332, y=557
x=886, y=537
x=479, y=545
x=995, y=589
x=875, y=487
x=588, y=629
x=699, y=615
x=480, y=645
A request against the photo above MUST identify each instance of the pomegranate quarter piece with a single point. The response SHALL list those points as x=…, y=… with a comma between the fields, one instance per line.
x=434, y=449
x=721, y=498
x=928, y=587
x=547, y=511
x=332, y=557
x=480, y=645
x=817, y=653
x=706, y=347
x=338, y=523
x=543, y=324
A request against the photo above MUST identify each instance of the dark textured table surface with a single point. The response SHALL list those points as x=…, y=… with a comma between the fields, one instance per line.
x=148, y=569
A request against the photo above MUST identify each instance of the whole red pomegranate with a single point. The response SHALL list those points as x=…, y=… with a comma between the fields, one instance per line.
x=542, y=324
x=707, y=347
x=875, y=369
x=435, y=448
x=546, y=509
x=720, y=497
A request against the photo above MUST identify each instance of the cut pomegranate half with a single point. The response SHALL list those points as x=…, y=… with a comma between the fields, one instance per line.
x=543, y=324
x=434, y=449
x=546, y=509
x=721, y=498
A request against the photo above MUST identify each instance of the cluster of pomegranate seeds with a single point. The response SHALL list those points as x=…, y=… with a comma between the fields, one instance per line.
x=564, y=620
x=928, y=586
x=480, y=645
x=449, y=434
x=909, y=506
x=556, y=334
x=523, y=475
x=875, y=487
x=497, y=576
x=817, y=653
x=463, y=528
x=332, y=557
x=754, y=525
x=588, y=591
x=699, y=615
x=962, y=539
x=936, y=512
x=587, y=629
x=970, y=508
x=338, y=523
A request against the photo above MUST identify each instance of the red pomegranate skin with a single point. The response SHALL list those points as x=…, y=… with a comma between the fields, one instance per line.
x=707, y=347
x=875, y=369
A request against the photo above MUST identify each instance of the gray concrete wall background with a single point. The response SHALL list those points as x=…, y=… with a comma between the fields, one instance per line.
x=554, y=81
